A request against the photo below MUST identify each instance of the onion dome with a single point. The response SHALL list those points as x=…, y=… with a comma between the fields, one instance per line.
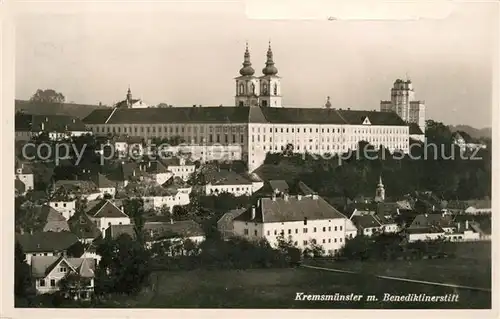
x=270, y=69
x=247, y=65
x=328, y=104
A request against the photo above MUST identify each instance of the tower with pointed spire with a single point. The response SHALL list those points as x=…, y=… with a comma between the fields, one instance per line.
x=247, y=85
x=270, y=83
x=380, y=192
x=129, y=97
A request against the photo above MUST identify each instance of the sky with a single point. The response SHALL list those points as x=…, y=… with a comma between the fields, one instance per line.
x=183, y=57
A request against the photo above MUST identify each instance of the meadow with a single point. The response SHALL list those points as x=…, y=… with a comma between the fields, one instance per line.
x=277, y=288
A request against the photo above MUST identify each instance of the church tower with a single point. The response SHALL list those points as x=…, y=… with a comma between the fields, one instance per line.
x=247, y=85
x=380, y=192
x=129, y=97
x=270, y=86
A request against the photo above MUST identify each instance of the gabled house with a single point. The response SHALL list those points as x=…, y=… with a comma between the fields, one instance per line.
x=179, y=167
x=225, y=181
x=54, y=220
x=104, y=214
x=84, y=228
x=367, y=224
x=104, y=185
x=45, y=243
x=225, y=223
x=24, y=180
x=75, y=276
x=64, y=202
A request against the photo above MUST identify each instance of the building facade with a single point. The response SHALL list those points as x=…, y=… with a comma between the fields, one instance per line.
x=259, y=123
x=404, y=103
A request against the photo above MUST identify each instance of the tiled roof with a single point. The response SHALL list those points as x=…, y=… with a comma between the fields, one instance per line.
x=76, y=186
x=242, y=115
x=105, y=209
x=83, y=227
x=19, y=185
x=480, y=203
x=428, y=220
x=46, y=241
x=42, y=265
x=173, y=115
x=365, y=221
x=51, y=123
x=291, y=209
x=225, y=177
x=280, y=185
x=102, y=181
x=160, y=230
x=415, y=129
x=55, y=221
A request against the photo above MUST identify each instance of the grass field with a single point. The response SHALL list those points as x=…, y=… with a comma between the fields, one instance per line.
x=277, y=288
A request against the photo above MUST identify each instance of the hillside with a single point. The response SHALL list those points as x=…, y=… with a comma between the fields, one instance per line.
x=473, y=132
x=78, y=110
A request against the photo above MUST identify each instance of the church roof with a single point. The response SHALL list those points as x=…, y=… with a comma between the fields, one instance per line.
x=242, y=115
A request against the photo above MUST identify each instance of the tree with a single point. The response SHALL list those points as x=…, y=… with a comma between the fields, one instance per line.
x=73, y=284
x=124, y=267
x=134, y=208
x=316, y=249
x=21, y=273
x=162, y=105
x=47, y=96
x=76, y=250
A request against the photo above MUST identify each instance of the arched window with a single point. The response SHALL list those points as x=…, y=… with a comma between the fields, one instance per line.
x=264, y=88
x=253, y=88
x=242, y=88
x=275, y=89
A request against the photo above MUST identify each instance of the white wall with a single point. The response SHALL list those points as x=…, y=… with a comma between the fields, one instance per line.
x=329, y=233
x=67, y=209
x=28, y=180
x=157, y=202
x=104, y=222
x=236, y=190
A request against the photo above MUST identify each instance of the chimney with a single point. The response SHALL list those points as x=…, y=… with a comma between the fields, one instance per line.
x=252, y=216
x=74, y=121
x=299, y=197
x=171, y=221
x=43, y=126
x=258, y=202
x=459, y=226
x=466, y=225
x=285, y=197
x=315, y=196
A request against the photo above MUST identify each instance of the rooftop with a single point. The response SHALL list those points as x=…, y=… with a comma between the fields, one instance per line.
x=104, y=209
x=226, y=177
x=46, y=241
x=48, y=123
x=230, y=114
x=290, y=208
x=41, y=266
x=160, y=230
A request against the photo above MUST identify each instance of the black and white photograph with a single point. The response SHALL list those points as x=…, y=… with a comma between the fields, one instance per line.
x=225, y=155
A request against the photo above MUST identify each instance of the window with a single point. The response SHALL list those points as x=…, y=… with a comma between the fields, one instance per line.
x=304, y=242
x=314, y=230
x=42, y=283
x=289, y=231
x=305, y=230
x=335, y=228
x=268, y=233
x=329, y=228
x=324, y=241
x=335, y=240
x=62, y=269
x=52, y=282
x=340, y=227
x=245, y=231
x=255, y=232
x=324, y=229
x=275, y=232
x=296, y=230
x=305, y=220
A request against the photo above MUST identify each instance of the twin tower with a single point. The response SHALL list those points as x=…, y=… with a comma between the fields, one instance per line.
x=264, y=90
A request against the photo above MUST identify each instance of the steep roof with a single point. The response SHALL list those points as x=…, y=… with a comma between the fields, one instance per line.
x=279, y=185
x=20, y=186
x=46, y=241
x=242, y=115
x=365, y=221
x=102, y=181
x=55, y=221
x=291, y=209
x=83, y=227
x=105, y=209
x=42, y=265
x=415, y=129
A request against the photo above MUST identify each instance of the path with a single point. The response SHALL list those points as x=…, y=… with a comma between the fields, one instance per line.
x=401, y=279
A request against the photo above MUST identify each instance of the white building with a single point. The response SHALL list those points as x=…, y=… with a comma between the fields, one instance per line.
x=104, y=214
x=303, y=219
x=65, y=205
x=129, y=102
x=179, y=167
x=56, y=126
x=404, y=103
x=48, y=271
x=225, y=181
x=157, y=202
x=25, y=174
x=258, y=124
